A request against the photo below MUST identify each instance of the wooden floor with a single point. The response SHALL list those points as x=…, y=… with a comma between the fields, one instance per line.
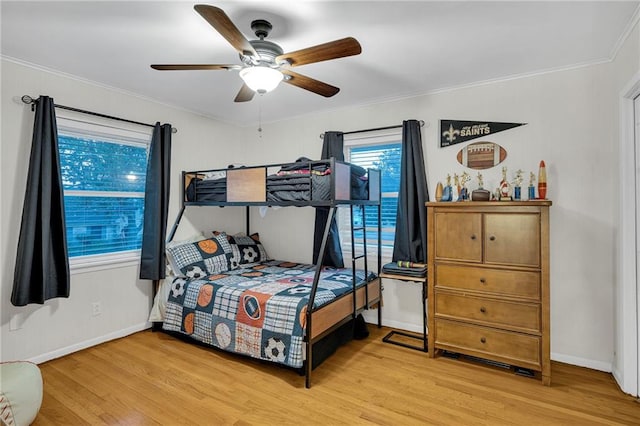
x=153, y=378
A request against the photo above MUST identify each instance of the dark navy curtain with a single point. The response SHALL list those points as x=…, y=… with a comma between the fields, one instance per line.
x=42, y=264
x=156, y=204
x=410, y=241
x=333, y=146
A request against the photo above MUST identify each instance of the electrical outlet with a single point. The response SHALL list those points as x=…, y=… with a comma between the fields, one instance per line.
x=15, y=323
x=96, y=309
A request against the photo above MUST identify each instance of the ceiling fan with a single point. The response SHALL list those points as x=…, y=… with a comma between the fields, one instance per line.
x=264, y=64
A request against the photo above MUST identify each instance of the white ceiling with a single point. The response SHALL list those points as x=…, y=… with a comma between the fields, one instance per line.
x=408, y=48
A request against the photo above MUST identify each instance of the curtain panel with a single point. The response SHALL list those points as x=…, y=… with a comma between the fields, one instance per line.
x=410, y=241
x=156, y=204
x=42, y=265
x=333, y=146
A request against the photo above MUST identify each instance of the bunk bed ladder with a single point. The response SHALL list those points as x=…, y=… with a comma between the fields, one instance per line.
x=379, y=261
x=355, y=257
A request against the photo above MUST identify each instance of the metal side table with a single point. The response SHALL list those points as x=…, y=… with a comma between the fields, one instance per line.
x=422, y=339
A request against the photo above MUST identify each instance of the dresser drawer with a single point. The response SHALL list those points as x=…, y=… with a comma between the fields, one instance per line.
x=511, y=315
x=504, y=282
x=504, y=346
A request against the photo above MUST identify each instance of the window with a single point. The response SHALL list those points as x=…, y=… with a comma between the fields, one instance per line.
x=103, y=176
x=371, y=153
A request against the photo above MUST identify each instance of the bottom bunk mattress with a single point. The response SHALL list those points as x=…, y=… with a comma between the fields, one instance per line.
x=257, y=310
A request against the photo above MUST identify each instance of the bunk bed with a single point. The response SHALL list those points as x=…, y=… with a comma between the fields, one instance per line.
x=229, y=294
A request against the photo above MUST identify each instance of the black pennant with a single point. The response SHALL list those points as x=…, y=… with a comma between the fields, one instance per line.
x=456, y=131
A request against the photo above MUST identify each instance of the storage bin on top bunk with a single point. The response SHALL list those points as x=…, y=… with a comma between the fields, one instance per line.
x=321, y=182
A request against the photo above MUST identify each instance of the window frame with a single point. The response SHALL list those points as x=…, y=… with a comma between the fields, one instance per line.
x=344, y=226
x=135, y=135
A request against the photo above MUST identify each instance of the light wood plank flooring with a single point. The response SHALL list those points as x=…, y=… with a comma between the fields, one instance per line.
x=153, y=378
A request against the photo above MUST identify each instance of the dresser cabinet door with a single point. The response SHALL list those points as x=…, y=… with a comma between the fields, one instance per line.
x=458, y=236
x=512, y=239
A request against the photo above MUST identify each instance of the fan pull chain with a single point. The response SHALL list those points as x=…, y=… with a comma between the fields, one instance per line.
x=260, y=116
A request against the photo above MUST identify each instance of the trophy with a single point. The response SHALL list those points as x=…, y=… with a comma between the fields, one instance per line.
x=446, y=193
x=532, y=188
x=455, y=188
x=517, y=184
x=504, y=189
x=480, y=194
x=464, y=191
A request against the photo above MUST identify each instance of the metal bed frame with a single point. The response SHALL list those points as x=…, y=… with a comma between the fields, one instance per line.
x=248, y=175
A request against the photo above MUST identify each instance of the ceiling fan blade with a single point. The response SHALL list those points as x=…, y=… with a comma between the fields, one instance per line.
x=221, y=22
x=332, y=50
x=245, y=94
x=192, y=67
x=310, y=84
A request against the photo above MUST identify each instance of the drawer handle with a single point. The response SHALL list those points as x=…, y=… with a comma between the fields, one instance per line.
x=492, y=238
x=483, y=340
x=483, y=281
x=483, y=310
x=473, y=237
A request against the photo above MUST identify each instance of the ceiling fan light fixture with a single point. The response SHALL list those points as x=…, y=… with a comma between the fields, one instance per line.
x=261, y=79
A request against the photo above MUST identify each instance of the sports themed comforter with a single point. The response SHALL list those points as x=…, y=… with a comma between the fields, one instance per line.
x=256, y=310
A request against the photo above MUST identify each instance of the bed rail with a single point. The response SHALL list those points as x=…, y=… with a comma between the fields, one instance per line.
x=248, y=185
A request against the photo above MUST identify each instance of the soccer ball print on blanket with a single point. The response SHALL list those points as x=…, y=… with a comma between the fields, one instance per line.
x=248, y=249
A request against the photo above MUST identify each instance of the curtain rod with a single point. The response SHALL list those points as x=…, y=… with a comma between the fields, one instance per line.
x=29, y=100
x=397, y=126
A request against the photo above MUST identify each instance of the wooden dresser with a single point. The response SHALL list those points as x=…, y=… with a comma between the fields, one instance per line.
x=488, y=275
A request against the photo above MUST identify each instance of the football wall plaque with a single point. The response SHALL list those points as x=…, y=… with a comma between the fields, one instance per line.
x=481, y=155
x=455, y=131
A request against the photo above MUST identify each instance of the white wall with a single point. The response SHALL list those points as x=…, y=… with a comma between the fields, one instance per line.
x=572, y=126
x=62, y=325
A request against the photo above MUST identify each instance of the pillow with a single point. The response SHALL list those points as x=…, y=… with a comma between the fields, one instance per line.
x=245, y=249
x=173, y=243
x=198, y=259
x=248, y=249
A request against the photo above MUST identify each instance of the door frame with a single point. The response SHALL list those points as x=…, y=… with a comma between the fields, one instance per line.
x=626, y=364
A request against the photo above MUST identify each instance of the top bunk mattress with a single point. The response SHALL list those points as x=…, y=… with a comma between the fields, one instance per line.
x=325, y=181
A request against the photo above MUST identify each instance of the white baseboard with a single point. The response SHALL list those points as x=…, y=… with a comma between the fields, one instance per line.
x=567, y=359
x=400, y=325
x=89, y=343
x=372, y=318
x=582, y=362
